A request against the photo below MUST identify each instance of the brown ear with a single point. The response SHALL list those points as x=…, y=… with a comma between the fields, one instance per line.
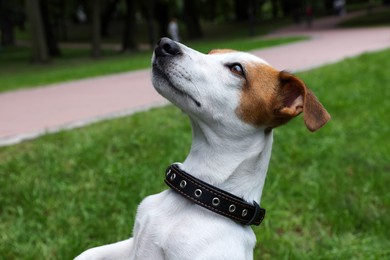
x=295, y=98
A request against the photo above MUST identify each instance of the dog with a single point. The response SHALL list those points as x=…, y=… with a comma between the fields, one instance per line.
x=234, y=101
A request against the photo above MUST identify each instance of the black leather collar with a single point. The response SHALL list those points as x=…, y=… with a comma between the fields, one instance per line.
x=212, y=198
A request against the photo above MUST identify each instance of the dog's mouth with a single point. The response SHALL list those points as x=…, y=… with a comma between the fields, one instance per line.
x=160, y=73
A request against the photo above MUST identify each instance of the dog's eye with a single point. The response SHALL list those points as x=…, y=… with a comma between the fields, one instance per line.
x=237, y=69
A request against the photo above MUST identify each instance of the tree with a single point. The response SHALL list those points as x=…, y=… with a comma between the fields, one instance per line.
x=50, y=36
x=275, y=8
x=241, y=10
x=39, y=46
x=328, y=4
x=191, y=18
x=96, y=38
x=128, y=42
x=11, y=15
x=252, y=17
x=147, y=12
x=291, y=6
x=107, y=16
x=161, y=14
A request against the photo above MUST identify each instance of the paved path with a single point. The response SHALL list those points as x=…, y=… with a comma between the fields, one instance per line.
x=325, y=47
x=26, y=114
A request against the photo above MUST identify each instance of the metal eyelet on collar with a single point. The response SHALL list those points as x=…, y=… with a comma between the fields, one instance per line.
x=198, y=193
x=212, y=198
x=215, y=201
x=232, y=208
x=183, y=184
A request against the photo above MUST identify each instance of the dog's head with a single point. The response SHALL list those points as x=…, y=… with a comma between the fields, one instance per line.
x=231, y=88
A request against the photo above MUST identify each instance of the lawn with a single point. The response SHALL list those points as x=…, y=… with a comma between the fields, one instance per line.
x=17, y=72
x=327, y=193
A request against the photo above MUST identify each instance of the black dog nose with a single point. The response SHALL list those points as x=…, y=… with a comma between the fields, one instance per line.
x=166, y=47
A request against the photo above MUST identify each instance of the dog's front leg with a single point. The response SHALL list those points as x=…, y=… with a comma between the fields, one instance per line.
x=117, y=251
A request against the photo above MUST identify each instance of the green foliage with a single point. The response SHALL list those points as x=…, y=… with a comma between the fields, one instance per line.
x=326, y=193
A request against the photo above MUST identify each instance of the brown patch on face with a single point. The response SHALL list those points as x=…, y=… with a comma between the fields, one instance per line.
x=221, y=51
x=258, y=95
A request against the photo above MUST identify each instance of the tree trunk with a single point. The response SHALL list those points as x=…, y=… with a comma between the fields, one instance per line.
x=147, y=13
x=192, y=19
x=275, y=8
x=96, y=38
x=161, y=14
x=241, y=10
x=107, y=16
x=39, y=47
x=7, y=23
x=252, y=17
x=50, y=37
x=7, y=32
x=62, y=28
x=128, y=42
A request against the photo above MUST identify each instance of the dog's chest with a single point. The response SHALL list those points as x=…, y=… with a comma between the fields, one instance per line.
x=167, y=223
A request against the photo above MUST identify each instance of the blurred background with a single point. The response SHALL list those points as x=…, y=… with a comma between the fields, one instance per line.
x=48, y=27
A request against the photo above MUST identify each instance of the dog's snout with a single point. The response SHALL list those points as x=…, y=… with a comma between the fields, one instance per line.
x=167, y=47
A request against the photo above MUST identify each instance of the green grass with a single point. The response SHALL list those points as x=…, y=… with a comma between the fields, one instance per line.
x=17, y=72
x=326, y=193
x=373, y=19
x=76, y=64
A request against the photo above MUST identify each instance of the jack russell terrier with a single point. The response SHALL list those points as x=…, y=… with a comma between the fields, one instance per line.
x=233, y=100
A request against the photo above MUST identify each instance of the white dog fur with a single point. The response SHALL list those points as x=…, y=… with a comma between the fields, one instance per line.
x=233, y=100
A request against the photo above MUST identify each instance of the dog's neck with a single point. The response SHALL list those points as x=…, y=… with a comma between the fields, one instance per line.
x=235, y=164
